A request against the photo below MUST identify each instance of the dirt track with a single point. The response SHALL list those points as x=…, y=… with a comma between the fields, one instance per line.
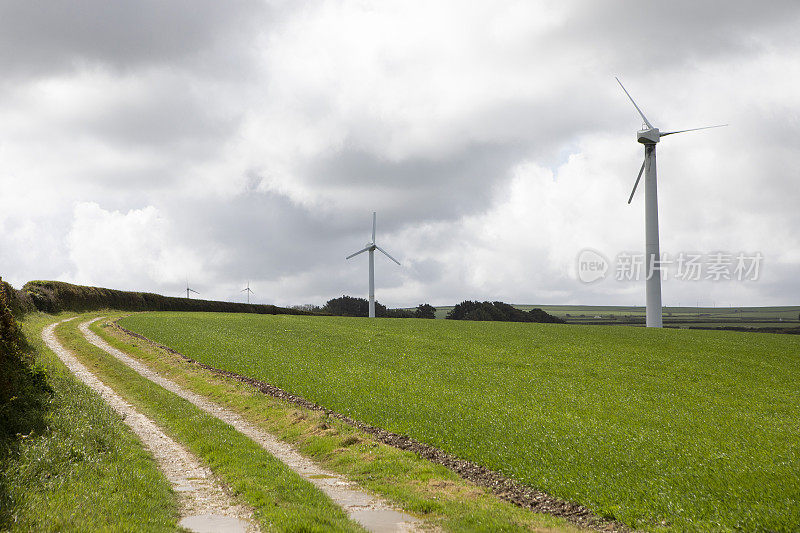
x=204, y=504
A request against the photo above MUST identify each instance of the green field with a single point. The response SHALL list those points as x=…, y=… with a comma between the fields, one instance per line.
x=688, y=430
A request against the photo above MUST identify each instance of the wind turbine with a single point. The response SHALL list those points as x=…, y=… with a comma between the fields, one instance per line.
x=248, y=291
x=649, y=137
x=371, y=247
x=188, y=290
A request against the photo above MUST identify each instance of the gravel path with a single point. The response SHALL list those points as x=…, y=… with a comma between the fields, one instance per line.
x=371, y=512
x=205, y=507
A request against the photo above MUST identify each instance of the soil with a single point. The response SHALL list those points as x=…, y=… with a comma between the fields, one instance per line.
x=501, y=485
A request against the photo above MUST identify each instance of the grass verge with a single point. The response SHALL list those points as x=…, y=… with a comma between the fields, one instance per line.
x=281, y=499
x=82, y=469
x=682, y=430
x=441, y=497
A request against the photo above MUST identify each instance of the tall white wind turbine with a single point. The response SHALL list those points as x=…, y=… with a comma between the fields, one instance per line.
x=649, y=137
x=371, y=247
x=248, y=291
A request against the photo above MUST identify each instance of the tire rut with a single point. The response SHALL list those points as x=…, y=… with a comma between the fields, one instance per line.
x=204, y=505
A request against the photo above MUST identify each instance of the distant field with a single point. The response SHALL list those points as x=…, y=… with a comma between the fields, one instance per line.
x=698, y=429
x=786, y=316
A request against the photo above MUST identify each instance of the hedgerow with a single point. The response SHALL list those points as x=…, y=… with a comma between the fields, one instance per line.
x=57, y=296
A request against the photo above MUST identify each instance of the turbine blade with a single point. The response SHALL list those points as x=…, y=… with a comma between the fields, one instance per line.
x=634, y=103
x=374, y=216
x=693, y=129
x=387, y=254
x=637, y=181
x=361, y=251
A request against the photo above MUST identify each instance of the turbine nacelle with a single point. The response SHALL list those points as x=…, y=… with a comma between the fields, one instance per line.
x=648, y=136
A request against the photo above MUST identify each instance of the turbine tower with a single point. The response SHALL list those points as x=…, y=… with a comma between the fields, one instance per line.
x=649, y=137
x=248, y=291
x=371, y=247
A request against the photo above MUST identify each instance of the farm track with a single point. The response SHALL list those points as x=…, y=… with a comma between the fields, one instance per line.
x=205, y=506
x=371, y=512
x=500, y=485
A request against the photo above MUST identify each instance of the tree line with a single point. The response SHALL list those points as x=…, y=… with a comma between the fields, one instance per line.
x=499, y=311
x=466, y=310
x=350, y=306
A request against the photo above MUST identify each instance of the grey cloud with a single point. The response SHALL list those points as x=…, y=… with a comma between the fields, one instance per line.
x=170, y=117
x=420, y=188
x=264, y=237
x=660, y=34
x=38, y=38
x=259, y=234
x=429, y=271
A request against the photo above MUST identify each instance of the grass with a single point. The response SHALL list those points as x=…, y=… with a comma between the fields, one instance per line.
x=439, y=496
x=282, y=500
x=682, y=430
x=84, y=469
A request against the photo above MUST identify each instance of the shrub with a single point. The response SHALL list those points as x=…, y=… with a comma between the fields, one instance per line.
x=425, y=311
x=349, y=306
x=400, y=313
x=499, y=311
x=23, y=388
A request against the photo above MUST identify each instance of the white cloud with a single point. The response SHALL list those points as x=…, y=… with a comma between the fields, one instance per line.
x=132, y=250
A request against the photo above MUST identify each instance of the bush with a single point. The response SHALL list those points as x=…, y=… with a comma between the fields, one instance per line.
x=349, y=306
x=23, y=388
x=425, y=311
x=400, y=313
x=544, y=317
x=499, y=311
x=19, y=302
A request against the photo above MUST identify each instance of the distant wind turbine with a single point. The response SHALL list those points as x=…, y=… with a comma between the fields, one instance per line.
x=248, y=291
x=371, y=247
x=188, y=290
x=649, y=137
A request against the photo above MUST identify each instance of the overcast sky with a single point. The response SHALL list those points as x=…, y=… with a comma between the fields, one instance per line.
x=144, y=143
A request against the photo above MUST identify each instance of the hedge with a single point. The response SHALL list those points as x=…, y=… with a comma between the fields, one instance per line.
x=57, y=296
